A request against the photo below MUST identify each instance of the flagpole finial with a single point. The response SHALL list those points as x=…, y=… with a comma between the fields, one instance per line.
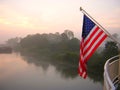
x=81, y=9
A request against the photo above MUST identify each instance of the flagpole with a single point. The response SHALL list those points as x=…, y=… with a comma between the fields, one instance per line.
x=84, y=12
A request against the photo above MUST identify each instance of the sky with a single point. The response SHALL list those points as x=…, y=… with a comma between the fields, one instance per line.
x=19, y=18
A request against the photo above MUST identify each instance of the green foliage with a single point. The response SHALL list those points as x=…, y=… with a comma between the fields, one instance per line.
x=34, y=41
x=111, y=49
x=14, y=43
x=63, y=50
x=55, y=43
x=95, y=67
x=96, y=63
x=60, y=50
x=71, y=57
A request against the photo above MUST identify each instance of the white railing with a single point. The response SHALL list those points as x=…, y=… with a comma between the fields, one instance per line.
x=112, y=73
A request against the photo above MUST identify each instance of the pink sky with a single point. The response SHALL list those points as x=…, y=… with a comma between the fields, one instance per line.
x=22, y=17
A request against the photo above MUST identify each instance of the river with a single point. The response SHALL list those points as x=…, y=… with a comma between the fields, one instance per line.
x=19, y=73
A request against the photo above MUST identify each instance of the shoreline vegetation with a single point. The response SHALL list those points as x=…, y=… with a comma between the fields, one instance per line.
x=63, y=49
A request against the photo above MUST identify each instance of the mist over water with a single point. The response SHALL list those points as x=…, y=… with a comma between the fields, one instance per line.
x=50, y=62
x=19, y=72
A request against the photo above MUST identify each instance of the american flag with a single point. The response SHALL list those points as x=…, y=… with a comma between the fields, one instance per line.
x=92, y=37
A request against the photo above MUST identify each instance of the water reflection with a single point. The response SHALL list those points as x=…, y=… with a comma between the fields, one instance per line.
x=25, y=72
x=65, y=69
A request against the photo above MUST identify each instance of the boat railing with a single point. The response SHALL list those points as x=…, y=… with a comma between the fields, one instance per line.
x=112, y=73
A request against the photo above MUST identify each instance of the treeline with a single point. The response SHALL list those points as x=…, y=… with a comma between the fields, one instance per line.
x=62, y=46
x=64, y=49
x=57, y=46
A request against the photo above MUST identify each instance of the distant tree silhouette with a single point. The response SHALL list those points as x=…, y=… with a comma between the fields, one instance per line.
x=111, y=49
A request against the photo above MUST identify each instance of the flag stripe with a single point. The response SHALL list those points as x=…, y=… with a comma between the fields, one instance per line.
x=92, y=40
x=92, y=37
x=94, y=47
x=82, y=69
x=93, y=31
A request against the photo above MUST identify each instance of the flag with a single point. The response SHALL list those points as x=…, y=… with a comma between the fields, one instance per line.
x=92, y=37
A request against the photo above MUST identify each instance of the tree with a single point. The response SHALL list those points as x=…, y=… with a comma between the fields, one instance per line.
x=74, y=45
x=13, y=42
x=111, y=49
x=67, y=35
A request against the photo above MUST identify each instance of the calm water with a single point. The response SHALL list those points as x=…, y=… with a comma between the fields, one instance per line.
x=20, y=73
